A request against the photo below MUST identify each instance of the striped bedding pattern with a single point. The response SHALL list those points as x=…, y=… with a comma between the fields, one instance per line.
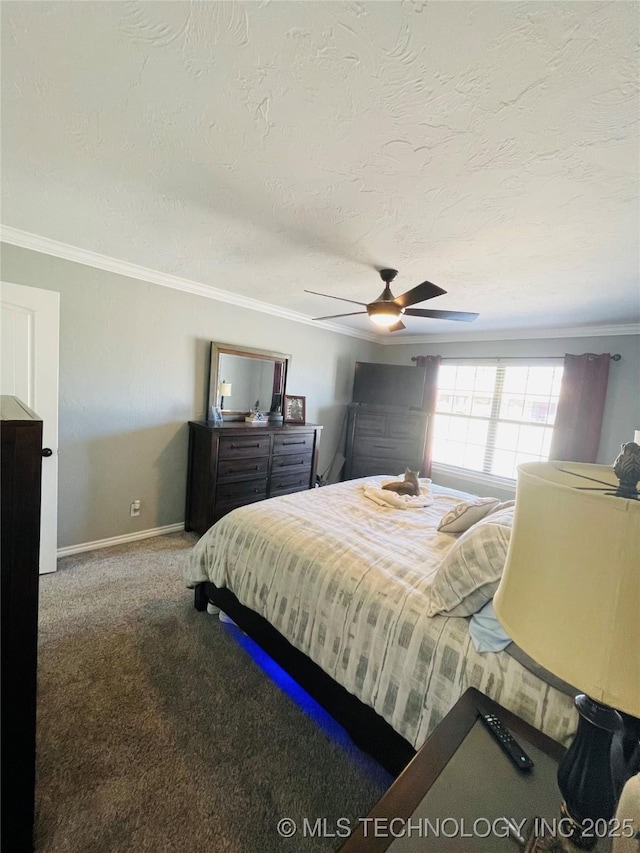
x=347, y=582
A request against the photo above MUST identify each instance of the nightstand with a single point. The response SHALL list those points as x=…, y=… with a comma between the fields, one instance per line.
x=454, y=795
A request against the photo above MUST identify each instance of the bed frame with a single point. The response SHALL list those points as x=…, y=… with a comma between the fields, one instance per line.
x=368, y=730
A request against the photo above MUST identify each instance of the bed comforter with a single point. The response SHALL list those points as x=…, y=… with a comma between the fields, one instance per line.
x=347, y=582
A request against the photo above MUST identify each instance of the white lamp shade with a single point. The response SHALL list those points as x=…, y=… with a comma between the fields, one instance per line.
x=225, y=389
x=570, y=592
x=636, y=436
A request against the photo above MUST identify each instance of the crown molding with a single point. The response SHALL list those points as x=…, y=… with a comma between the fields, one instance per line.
x=515, y=335
x=47, y=246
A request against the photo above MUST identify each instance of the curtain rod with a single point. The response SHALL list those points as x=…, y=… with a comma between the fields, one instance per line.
x=615, y=357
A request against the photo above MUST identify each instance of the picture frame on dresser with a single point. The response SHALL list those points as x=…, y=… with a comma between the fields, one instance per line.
x=295, y=408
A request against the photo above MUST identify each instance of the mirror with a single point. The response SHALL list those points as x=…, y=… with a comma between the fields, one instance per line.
x=242, y=379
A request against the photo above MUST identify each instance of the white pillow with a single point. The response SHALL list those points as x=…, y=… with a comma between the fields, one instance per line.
x=503, y=505
x=470, y=573
x=466, y=513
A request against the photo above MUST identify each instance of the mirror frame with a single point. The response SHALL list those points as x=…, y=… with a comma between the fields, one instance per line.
x=218, y=349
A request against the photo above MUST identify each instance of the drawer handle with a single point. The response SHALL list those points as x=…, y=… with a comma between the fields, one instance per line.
x=285, y=443
x=241, y=446
x=229, y=495
x=242, y=470
x=291, y=464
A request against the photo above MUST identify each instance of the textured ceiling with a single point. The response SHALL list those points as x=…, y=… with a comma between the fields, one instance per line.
x=267, y=147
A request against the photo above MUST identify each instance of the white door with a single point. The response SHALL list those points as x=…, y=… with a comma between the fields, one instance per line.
x=29, y=343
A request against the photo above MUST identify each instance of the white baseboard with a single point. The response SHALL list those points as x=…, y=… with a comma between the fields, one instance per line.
x=119, y=540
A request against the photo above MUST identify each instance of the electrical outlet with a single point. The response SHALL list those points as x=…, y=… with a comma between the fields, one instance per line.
x=134, y=509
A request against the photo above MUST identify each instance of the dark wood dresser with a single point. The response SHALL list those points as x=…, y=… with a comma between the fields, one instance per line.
x=21, y=466
x=384, y=440
x=236, y=463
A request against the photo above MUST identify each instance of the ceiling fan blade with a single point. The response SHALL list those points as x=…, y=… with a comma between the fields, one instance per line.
x=419, y=293
x=315, y=293
x=397, y=326
x=463, y=316
x=333, y=316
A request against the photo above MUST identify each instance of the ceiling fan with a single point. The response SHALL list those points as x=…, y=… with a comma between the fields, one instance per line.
x=387, y=310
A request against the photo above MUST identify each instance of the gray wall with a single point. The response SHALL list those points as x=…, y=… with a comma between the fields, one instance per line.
x=622, y=409
x=134, y=363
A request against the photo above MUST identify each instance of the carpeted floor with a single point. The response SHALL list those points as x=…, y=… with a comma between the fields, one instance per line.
x=158, y=728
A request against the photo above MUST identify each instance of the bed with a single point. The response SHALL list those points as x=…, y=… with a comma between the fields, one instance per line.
x=347, y=593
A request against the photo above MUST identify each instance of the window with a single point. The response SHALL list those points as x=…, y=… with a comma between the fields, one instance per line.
x=493, y=418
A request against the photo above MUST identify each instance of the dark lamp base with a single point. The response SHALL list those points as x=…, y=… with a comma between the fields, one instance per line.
x=584, y=773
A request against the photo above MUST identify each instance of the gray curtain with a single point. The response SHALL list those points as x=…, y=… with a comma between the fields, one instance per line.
x=576, y=433
x=432, y=365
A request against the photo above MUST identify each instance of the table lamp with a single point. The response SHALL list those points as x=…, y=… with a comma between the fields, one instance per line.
x=570, y=598
x=224, y=391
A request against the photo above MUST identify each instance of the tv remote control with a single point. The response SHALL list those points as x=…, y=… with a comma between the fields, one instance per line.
x=507, y=742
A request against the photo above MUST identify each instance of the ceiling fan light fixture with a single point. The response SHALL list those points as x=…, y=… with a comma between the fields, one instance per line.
x=384, y=319
x=387, y=310
x=384, y=314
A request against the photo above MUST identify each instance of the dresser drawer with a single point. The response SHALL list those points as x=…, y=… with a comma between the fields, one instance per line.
x=237, y=447
x=390, y=448
x=223, y=507
x=408, y=426
x=283, y=484
x=294, y=462
x=294, y=443
x=370, y=466
x=243, y=469
x=370, y=424
x=244, y=490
